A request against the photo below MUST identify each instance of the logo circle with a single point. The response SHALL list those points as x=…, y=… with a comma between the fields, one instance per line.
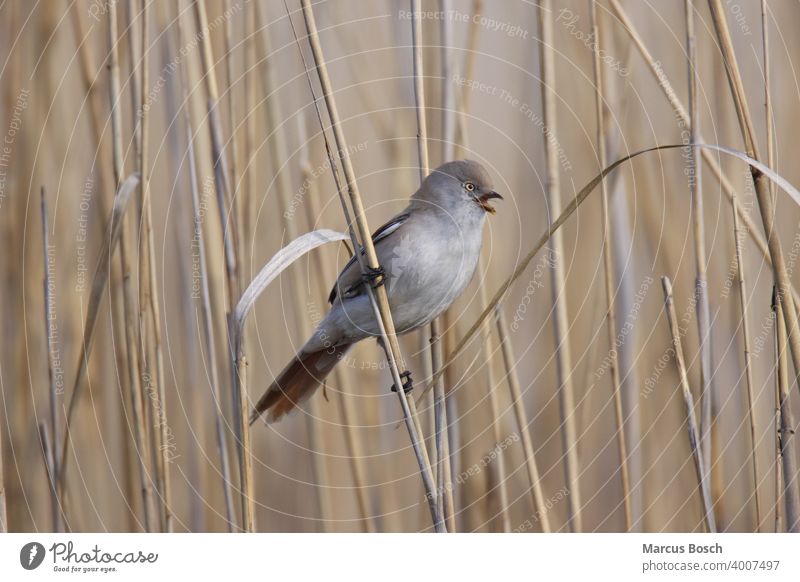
x=31, y=555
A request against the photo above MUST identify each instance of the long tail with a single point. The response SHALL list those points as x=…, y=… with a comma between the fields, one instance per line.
x=298, y=381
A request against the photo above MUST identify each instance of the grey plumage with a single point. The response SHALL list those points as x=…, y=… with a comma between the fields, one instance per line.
x=429, y=253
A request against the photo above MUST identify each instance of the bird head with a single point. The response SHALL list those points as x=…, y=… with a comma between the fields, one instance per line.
x=459, y=183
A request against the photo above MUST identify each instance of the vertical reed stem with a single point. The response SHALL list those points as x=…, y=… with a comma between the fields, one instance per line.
x=566, y=398
x=55, y=425
x=748, y=369
x=786, y=436
x=691, y=419
x=443, y=485
x=608, y=267
x=3, y=512
x=771, y=164
x=208, y=327
x=49, y=458
x=131, y=320
x=448, y=148
x=348, y=418
x=379, y=298
x=148, y=291
x=278, y=152
x=680, y=111
x=698, y=221
x=765, y=202
x=229, y=230
x=537, y=496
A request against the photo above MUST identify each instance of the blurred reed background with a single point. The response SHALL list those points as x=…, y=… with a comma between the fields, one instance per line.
x=212, y=109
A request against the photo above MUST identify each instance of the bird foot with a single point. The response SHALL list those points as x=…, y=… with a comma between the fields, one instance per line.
x=408, y=383
x=374, y=277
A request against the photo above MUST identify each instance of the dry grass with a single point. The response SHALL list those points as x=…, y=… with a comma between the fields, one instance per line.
x=560, y=400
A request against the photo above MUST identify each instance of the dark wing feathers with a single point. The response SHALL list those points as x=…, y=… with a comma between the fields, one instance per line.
x=380, y=234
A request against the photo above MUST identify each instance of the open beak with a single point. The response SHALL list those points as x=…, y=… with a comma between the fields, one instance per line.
x=483, y=201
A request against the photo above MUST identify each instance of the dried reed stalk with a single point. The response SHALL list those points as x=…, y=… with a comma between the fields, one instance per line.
x=95, y=100
x=574, y=204
x=99, y=283
x=768, y=93
x=765, y=202
x=379, y=298
x=771, y=164
x=98, y=120
x=241, y=412
x=434, y=339
x=701, y=258
x=149, y=307
x=608, y=267
x=352, y=443
x=680, y=111
x=49, y=459
x=419, y=91
x=248, y=199
x=3, y=512
x=278, y=153
x=465, y=94
x=786, y=437
x=129, y=299
x=691, y=419
x=451, y=430
x=208, y=324
x=748, y=369
x=448, y=68
x=235, y=162
x=55, y=425
x=780, y=372
x=439, y=395
x=537, y=496
x=449, y=127
x=494, y=411
x=134, y=58
x=219, y=161
x=133, y=34
x=229, y=238
x=558, y=287
x=516, y=402
x=444, y=482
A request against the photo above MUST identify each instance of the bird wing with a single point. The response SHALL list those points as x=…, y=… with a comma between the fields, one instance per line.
x=349, y=280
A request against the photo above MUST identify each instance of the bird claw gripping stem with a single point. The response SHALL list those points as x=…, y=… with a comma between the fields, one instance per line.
x=408, y=383
x=374, y=277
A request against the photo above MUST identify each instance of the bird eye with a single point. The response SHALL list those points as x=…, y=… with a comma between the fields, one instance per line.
x=469, y=186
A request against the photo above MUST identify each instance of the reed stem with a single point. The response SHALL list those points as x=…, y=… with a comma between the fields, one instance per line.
x=52, y=435
x=787, y=438
x=691, y=419
x=229, y=237
x=369, y=259
x=698, y=222
x=608, y=267
x=129, y=299
x=537, y=496
x=566, y=398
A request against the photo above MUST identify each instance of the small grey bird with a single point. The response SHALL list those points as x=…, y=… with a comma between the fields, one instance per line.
x=428, y=254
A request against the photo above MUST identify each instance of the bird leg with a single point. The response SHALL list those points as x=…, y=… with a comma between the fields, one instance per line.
x=374, y=277
x=408, y=383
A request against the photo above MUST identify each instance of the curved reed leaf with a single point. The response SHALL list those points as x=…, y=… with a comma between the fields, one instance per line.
x=276, y=265
x=779, y=180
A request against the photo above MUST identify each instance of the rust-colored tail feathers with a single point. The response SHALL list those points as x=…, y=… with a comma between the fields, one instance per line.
x=298, y=381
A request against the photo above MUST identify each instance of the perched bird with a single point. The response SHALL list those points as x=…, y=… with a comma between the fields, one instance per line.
x=428, y=254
